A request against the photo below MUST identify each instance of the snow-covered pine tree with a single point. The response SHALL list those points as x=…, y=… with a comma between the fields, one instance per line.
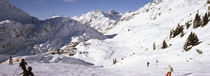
x=197, y=21
x=179, y=29
x=205, y=20
x=154, y=46
x=191, y=41
x=164, y=45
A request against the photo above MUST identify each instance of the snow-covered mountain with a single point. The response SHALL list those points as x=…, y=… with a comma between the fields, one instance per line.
x=20, y=36
x=55, y=33
x=163, y=32
x=99, y=20
x=10, y=12
x=146, y=30
x=51, y=34
x=14, y=35
x=141, y=43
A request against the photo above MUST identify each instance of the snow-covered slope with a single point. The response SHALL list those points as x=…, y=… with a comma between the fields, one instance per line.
x=10, y=12
x=99, y=20
x=162, y=33
x=154, y=21
x=55, y=33
x=21, y=34
x=14, y=35
x=17, y=38
x=139, y=37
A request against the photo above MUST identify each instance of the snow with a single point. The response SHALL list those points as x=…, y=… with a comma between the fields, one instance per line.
x=55, y=16
x=5, y=21
x=137, y=31
x=10, y=12
x=23, y=39
x=99, y=20
x=129, y=40
x=55, y=69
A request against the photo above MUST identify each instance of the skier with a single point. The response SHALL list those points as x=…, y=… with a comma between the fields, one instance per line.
x=10, y=60
x=23, y=65
x=157, y=63
x=170, y=69
x=28, y=72
x=147, y=64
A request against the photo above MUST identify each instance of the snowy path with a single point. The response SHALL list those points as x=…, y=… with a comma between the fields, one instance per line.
x=58, y=69
x=63, y=69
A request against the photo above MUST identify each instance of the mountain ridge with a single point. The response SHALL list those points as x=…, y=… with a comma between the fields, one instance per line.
x=10, y=12
x=98, y=19
x=21, y=34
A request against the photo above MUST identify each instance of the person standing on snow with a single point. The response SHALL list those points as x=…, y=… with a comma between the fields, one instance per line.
x=10, y=60
x=147, y=64
x=23, y=65
x=156, y=63
x=170, y=69
x=28, y=72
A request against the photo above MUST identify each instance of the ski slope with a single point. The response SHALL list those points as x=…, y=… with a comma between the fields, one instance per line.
x=130, y=41
x=140, y=69
x=57, y=69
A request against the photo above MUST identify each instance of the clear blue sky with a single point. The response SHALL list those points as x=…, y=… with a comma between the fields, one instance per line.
x=44, y=9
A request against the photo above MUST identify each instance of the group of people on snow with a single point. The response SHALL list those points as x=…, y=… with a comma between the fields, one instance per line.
x=169, y=68
x=22, y=65
x=28, y=72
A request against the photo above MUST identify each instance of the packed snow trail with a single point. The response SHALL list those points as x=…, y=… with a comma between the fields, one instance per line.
x=132, y=66
x=57, y=69
x=63, y=69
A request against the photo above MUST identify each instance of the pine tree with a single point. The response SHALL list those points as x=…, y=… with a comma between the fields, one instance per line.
x=187, y=25
x=205, y=20
x=197, y=21
x=179, y=29
x=171, y=33
x=164, y=45
x=154, y=46
x=191, y=41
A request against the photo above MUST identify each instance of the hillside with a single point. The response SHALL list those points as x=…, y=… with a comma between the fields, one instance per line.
x=23, y=37
x=99, y=20
x=10, y=12
x=139, y=43
x=159, y=31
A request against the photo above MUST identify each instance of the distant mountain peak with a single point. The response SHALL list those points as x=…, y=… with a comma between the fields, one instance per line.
x=10, y=12
x=112, y=11
x=158, y=1
x=99, y=19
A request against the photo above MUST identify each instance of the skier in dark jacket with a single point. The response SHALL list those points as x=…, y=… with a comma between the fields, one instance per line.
x=10, y=60
x=23, y=65
x=147, y=64
x=28, y=72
